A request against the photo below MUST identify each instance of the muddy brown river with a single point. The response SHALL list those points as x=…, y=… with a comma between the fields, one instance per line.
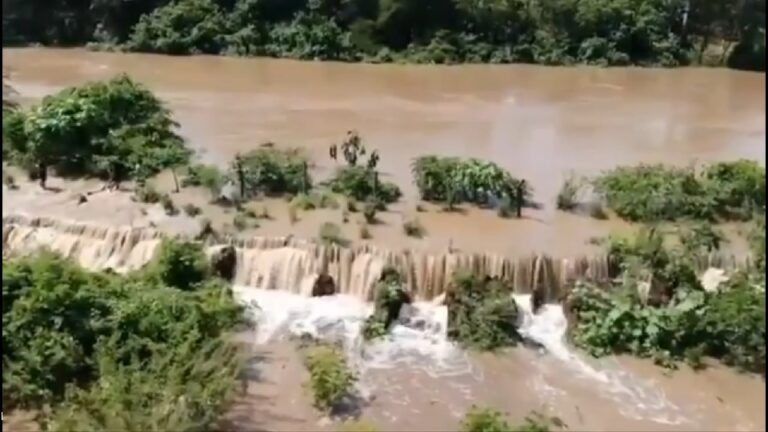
x=541, y=123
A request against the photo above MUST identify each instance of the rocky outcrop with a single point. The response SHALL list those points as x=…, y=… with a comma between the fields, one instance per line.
x=324, y=286
x=224, y=261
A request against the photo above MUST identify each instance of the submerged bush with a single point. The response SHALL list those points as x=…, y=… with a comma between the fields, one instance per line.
x=389, y=298
x=206, y=176
x=649, y=193
x=331, y=379
x=479, y=419
x=453, y=180
x=481, y=313
x=330, y=234
x=271, y=171
x=363, y=184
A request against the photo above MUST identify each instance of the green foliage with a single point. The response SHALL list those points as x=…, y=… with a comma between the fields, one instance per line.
x=331, y=379
x=369, y=212
x=114, y=129
x=315, y=200
x=727, y=325
x=649, y=193
x=168, y=206
x=454, y=180
x=484, y=420
x=148, y=194
x=389, y=298
x=108, y=352
x=598, y=32
x=363, y=184
x=272, y=171
x=330, y=234
x=181, y=27
x=490, y=420
x=481, y=313
x=206, y=176
x=179, y=264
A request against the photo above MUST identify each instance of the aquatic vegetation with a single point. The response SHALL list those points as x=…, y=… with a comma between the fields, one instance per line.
x=568, y=196
x=390, y=296
x=191, y=210
x=659, y=308
x=651, y=193
x=115, y=129
x=207, y=176
x=148, y=194
x=413, y=228
x=331, y=379
x=271, y=171
x=479, y=419
x=315, y=200
x=363, y=184
x=330, y=234
x=454, y=181
x=105, y=351
x=481, y=313
x=168, y=205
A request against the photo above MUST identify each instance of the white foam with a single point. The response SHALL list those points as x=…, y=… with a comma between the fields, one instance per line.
x=637, y=398
x=418, y=340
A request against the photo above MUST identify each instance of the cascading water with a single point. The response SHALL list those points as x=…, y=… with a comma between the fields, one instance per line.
x=636, y=399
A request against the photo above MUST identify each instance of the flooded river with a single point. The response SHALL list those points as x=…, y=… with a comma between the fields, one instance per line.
x=539, y=122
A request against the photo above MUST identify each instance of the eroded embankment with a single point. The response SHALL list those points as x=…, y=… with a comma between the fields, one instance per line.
x=291, y=264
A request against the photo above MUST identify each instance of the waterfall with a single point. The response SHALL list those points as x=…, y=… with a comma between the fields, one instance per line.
x=293, y=264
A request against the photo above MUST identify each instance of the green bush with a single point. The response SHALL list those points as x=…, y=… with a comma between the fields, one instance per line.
x=315, y=200
x=331, y=379
x=650, y=193
x=363, y=184
x=272, y=172
x=114, y=129
x=389, y=298
x=567, y=197
x=490, y=420
x=168, y=206
x=106, y=352
x=481, y=313
x=148, y=194
x=330, y=234
x=369, y=212
x=206, y=176
x=181, y=27
x=727, y=325
x=179, y=264
x=453, y=180
x=191, y=210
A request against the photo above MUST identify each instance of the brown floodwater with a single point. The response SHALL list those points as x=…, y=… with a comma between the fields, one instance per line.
x=541, y=123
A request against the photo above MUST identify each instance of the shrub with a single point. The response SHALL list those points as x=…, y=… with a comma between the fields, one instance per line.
x=567, y=198
x=413, y=228
x=484, y=420
x=191, y=210
x=365, y=234
x=115, y=129
x=330, y=377
x=363, y=184
x=179, y=264
x=453, y=180
x=389, y=298
x=490, y=420
x=121, y=352
x=506, y=209
x=596, y=211
x=315, y=200
x=649, y=193
x=207, y=176
x=481, y=313
x=241, y=222
x=351, y=206
x=330, y=234
x=168, y=206
x=271, y=171
x=369, y=212
x=148, y=194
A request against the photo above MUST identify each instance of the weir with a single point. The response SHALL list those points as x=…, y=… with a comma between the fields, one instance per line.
x=287, y=263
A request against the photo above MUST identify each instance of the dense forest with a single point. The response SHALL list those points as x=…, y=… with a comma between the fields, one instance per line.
x=553, y=32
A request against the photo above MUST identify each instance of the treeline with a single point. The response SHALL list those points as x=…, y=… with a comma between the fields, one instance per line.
x=554, y=32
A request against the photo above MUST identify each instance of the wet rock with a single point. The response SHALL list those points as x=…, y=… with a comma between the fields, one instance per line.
x=81, y=199
x=224, y=261
x=324, y=286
